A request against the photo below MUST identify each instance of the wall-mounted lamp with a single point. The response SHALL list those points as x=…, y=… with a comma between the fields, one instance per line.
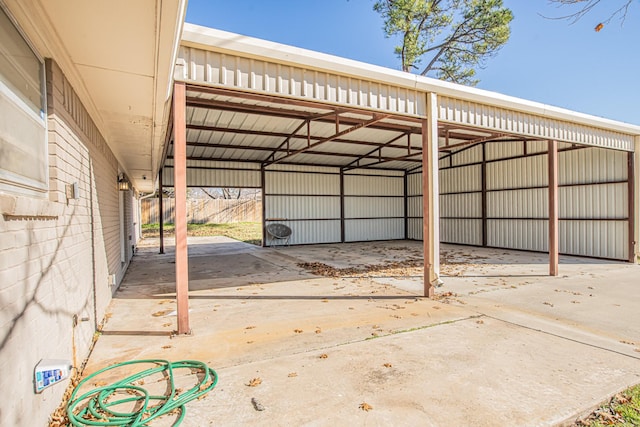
x=123, y=183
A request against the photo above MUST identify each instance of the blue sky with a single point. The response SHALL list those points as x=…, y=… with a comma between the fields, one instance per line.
x=545, y=60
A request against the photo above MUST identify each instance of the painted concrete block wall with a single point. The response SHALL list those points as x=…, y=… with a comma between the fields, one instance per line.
x=55, y=257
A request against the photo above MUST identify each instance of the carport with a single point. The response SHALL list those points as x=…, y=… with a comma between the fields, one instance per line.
x=345, y=152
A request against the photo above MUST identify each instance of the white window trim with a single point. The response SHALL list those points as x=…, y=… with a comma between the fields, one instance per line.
x=11, y=182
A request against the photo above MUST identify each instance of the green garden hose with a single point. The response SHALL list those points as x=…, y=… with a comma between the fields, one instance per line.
x=96, y=407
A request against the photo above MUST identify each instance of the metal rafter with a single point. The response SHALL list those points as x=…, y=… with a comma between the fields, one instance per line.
x=282, y=150
x=376, y=118
x=357, y=161
x=293, y=114
x=286, y=135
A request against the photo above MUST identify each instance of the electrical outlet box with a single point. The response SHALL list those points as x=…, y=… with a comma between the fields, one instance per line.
x=72, y=191
x=49, y=372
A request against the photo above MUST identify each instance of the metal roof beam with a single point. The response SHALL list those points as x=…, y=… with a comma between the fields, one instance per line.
x=382, y=160
x=285, y=135
x=292, y=114
x=356, y=161
x=280, y=150
x=376, y=118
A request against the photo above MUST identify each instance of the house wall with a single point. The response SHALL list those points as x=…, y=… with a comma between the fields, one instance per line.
x=56, y=254
x=593, y=199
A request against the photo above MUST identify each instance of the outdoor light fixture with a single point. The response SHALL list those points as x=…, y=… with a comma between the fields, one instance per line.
x=123, y=183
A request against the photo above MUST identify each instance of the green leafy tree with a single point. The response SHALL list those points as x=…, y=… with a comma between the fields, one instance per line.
x=453, y=37
x=586, y=6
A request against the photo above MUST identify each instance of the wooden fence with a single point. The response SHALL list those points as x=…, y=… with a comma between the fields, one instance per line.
x=205, y=211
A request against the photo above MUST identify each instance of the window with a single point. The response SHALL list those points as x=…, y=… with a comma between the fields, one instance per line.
x=23, y=149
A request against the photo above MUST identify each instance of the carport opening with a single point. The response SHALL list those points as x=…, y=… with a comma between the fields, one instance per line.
x=211, y=211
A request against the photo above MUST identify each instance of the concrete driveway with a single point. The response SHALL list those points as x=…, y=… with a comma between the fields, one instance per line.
x=503, y=344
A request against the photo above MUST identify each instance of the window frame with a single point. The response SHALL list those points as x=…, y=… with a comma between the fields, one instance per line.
x=10, y=181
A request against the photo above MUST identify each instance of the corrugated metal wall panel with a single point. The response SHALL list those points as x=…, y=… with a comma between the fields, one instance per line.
x=468, y=205
x=530, y=235
x=384, y=208
x=465, y=178
x=603, y=239
x=414, y=184
x=297, y=168
x=501, y=150
x=415, y=229
x=374, y=229
x=591, y=165
x=414, y=206
x=373, y=207
x=197, y=65
x=308, y=232
x=457, y=111
x=461, y=231
x=371, y=172
x=302, y=207
x=593, y=201
x=470, y=155
x=373, y=185
x=531, y=203
x=206, y=175
x=301, y=183
x=517, y=173
x=540, y=146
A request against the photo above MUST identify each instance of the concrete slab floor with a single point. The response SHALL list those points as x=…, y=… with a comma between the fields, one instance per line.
x=503, y=345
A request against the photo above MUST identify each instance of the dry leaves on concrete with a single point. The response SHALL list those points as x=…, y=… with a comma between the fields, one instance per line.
x=254, y=382
x=323, y=356
x=388, y=268
x=365, y=406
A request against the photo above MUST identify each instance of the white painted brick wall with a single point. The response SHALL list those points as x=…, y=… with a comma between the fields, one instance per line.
x=50, y=262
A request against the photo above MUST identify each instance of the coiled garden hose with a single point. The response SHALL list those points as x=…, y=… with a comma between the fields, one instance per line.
x=96, y=407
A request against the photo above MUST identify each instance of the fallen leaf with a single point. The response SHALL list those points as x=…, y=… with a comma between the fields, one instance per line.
x=365, y=406
x=292, y=374
x=325, y=300
x=161, y=313
x=249, y=342
x=318, y=331
x=100, y=383
x=599, y=27
x=254, y=382
x=387, y=365
x=548, y=303
x=166, y=324
x=323, y=356
x=297, y=331
x=250, y=327
x=167, y=346
x=480, y=322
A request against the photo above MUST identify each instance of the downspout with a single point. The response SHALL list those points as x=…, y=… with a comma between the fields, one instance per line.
x=93, y=249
